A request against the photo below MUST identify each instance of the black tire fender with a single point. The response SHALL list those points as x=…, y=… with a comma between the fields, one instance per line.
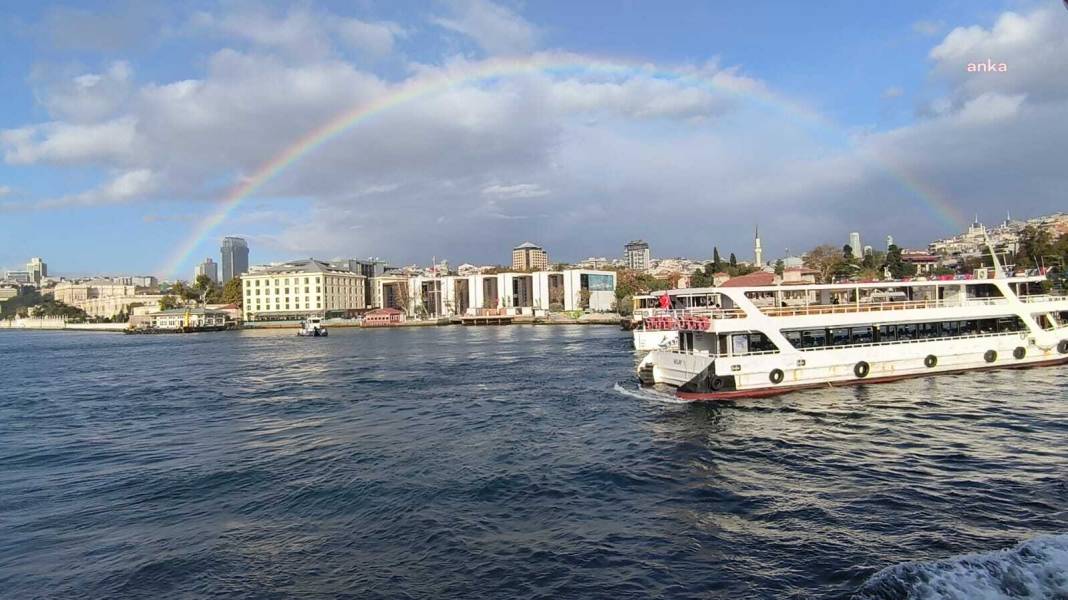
x=990, y=356
x=931, y=361
x=776, y=375
x=861, y=369
x=716, y=383
x=1019, y=352
x=1062, y=347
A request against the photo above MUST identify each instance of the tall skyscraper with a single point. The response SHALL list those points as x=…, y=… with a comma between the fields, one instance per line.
x=209, y=268
x=636, y=255
x=854, y=244
x=37, y=269
x=528, y=256
x=234, y=258
x=889, y=241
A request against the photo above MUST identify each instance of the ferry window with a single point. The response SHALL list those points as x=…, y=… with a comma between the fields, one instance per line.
x=950, y=329
x=813, y=338
x=888, y=333
x=840, y=337
x=984, y=290
x=1010, y=324
x=862, y=335
x=758, y=342
x=968, y=328
x=907, y=332
x=794, y=337
x=740, y=344
x=928, y=330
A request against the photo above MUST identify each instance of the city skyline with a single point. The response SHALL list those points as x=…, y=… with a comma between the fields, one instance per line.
x=656, y=129
x=242, y=262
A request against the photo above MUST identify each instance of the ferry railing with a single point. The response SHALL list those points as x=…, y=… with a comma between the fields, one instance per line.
x=689, y=319
x=830, y=309
x=1043, y=298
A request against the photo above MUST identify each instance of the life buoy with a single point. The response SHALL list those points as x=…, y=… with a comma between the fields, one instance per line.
x=776, y=375
x=1062, y=347
x=990, y=356
x=861, y=369
x=931, y=361
x=1019, y=352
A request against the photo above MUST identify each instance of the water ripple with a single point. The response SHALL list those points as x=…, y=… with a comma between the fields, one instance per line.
x=508, y=462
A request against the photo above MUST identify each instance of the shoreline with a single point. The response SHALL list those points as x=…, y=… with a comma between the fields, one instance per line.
x=268, y=325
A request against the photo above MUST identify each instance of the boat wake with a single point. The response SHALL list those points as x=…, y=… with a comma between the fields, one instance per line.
x=1037, y=568
x=644, y=393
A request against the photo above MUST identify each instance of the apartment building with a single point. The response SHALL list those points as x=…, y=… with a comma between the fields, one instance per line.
x=302, y=288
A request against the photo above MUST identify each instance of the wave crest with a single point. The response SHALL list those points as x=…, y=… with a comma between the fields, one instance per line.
x=1037, y=568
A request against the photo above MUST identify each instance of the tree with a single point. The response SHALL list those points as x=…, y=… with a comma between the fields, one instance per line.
x=1035, y=243
x=847, y=253
x=825, y=259
x=733, y=260
x=780, y=267
x=232, y=292
x=703, y=278
x=894, y=264
x=716, y=264
x=168, y=302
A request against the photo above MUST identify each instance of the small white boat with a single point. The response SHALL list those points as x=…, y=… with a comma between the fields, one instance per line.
x=312, y=327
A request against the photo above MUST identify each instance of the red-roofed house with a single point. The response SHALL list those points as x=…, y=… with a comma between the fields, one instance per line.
x=383, y=317
x=755, y=279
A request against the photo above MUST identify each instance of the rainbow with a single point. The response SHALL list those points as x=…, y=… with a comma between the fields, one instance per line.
x=551, y=64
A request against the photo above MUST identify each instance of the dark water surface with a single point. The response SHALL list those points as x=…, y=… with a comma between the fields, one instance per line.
x=507, y=462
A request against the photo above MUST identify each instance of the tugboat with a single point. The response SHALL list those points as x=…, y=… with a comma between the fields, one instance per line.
x=312, y=327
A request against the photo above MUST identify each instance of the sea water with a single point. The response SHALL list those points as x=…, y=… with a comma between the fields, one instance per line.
x=522, y=461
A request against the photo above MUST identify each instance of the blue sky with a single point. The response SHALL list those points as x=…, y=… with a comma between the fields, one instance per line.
x=123, y=124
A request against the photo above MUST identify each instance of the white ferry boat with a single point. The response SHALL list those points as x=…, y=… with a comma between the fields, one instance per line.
x=312, y=327
x=760, y=341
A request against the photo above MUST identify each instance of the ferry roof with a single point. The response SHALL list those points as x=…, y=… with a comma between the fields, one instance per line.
x=849, y=286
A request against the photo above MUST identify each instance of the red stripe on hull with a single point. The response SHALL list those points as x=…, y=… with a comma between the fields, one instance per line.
x=775, y=391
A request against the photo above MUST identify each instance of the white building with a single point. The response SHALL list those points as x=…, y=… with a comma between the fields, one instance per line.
x=514, y=293
x=38, y=270
x=636, y=255
x=102, y=297
x=854, y=245
x=188, y=318
x=302, y=288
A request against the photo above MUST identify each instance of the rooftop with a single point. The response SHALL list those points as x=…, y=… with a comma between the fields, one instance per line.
x=309, y=265
x=528, y=246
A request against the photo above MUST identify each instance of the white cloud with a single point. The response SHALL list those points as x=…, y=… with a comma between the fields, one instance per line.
x=69, y=143
x=1033, y=46
x=85, y=97
x=518, y=190
x=301, y=32
x=626, y=141
x=123, y=187
x=5, y=190
x=496, y=29
x=376, y=39
x=990, y=107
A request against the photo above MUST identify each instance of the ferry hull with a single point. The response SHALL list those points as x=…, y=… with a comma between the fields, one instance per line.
x=698, y=377
x=777, y=391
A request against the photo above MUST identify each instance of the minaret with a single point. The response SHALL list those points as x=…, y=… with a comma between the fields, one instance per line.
x=757, y=251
